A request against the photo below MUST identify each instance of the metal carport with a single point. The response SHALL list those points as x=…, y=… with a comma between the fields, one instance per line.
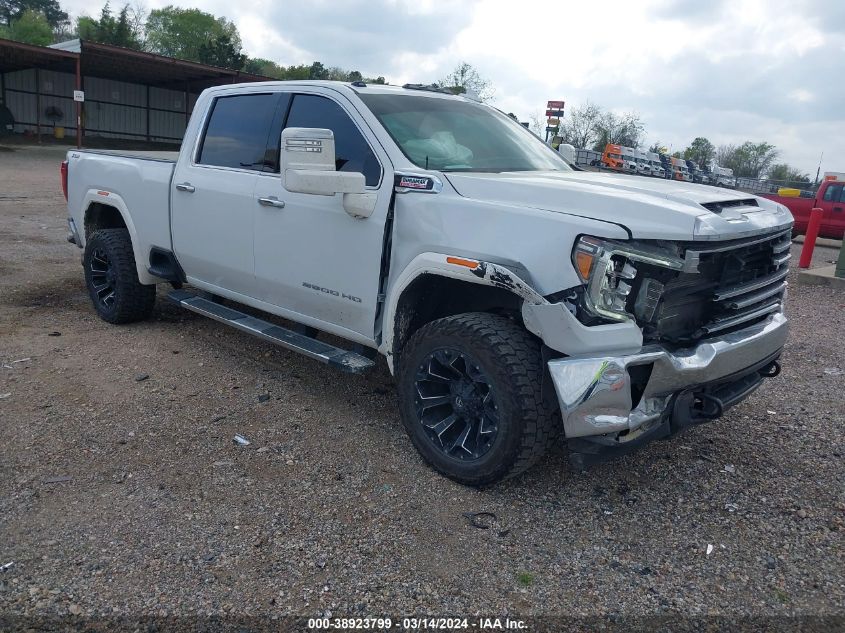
x=129, y=94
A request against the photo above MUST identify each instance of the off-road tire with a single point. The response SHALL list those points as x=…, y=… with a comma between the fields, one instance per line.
x=132, y=300
x=510, y=358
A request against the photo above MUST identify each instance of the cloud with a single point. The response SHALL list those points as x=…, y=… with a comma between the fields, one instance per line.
x=729, y=70
x=376, y=37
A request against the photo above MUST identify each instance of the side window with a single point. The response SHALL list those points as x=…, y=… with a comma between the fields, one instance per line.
x=842, y=194
x=832, y=193
x=352, y=152
x=237, y=131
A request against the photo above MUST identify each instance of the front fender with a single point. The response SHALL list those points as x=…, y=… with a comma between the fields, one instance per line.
x=454, y=267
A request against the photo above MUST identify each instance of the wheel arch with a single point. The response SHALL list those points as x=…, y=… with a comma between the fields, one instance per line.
x=107, y=210
x=434, y=286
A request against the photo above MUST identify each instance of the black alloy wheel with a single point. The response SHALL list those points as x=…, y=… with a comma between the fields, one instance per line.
x=470, y=397
x=103, y=278
x=111, y=277
x=455, y=404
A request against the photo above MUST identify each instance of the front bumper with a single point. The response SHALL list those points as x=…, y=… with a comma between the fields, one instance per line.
x=629, y=395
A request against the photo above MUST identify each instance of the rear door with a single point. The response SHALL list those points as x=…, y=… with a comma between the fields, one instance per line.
x=313, y=260
x=213, y=209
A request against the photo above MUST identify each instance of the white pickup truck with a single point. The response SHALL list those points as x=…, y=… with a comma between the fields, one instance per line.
x=515, y=299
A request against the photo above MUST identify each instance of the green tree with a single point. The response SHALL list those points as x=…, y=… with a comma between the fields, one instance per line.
x=625, y=129
x=658, y=148
x=108, y=29
x=266, y=67
x=181, y=33
x=465, y=78
x=749, y=160
x=220, y=51
x=335, y=73
x=11, y=10
x=31, y=27
x=701, y=150
x=787, y=175
x=303, y=71
x=318, y=71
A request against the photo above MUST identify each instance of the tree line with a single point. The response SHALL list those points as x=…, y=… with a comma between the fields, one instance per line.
x=195, y=35
x=590, y=126
x=188, y=34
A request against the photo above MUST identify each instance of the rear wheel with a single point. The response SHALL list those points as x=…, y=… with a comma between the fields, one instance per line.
x=112, y=279
x=470, y=397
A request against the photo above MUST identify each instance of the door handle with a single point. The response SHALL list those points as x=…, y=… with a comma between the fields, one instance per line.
x=186, y=186
x=838, y=209
x=272, y=201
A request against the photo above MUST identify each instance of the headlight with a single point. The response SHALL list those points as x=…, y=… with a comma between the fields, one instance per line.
x=609, y=273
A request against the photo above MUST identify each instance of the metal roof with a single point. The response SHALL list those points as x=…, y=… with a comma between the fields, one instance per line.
x=123, y=64
x=19, y=56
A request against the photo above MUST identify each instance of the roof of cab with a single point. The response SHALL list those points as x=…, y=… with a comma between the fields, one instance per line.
x=341, y=86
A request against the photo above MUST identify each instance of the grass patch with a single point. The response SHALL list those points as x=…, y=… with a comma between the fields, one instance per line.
x=525, y=579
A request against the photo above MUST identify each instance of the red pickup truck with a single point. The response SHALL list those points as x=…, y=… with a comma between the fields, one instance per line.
x=830, y=198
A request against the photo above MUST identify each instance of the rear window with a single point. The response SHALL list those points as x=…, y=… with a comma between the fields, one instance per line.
x=238, y=130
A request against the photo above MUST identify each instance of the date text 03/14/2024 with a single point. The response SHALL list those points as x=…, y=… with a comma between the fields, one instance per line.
x=414, y=624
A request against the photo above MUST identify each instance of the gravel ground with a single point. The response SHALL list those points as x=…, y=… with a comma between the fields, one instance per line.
x=123, y=492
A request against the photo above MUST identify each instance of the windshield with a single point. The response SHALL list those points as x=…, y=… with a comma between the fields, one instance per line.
x=456, y=135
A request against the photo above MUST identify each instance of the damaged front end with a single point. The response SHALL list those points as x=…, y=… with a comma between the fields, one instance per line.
x=712, y=324
x=612, y=404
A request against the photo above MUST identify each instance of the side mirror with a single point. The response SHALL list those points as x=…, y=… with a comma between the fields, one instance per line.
x=308, y=164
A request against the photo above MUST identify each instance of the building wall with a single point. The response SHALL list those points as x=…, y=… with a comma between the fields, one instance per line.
x=112, y=109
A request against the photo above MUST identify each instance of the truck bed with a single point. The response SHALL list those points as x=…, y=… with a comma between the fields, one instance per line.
x=151, y=155
x=125, y=180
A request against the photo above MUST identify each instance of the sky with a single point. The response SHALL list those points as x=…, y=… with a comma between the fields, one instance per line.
x=729, y=70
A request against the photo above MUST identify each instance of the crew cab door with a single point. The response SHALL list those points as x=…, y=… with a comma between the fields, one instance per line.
x=314, y=261
x=212, y=202
x=832, y=202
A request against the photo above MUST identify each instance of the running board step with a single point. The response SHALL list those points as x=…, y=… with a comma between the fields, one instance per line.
x=341, y=359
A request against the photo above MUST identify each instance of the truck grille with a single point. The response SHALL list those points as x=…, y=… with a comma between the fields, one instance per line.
x=737, y=285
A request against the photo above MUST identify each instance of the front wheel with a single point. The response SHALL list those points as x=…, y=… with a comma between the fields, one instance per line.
x=112, y=279
x=470, y=398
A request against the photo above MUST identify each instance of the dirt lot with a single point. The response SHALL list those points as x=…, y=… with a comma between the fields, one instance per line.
x=128, y=496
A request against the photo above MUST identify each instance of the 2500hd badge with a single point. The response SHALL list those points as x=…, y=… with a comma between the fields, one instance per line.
x=329, y=291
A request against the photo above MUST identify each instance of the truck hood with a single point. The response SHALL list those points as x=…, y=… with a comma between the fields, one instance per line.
x=649, y=208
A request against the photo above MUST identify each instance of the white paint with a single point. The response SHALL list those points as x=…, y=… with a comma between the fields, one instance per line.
x=312, y=262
